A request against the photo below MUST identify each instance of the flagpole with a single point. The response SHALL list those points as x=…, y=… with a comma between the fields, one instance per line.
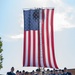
x=38, y=8
x=41, y=56
x=42, y=69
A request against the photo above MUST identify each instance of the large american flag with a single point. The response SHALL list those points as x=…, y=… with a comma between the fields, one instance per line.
x=39, y=38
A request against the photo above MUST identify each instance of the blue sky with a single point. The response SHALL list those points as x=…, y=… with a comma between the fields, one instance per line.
x=11, y=31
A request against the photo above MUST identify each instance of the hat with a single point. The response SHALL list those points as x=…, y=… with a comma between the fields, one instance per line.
x=48, y=70
x=65, y=68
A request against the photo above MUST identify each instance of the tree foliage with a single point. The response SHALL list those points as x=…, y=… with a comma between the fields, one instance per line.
x=1, y=57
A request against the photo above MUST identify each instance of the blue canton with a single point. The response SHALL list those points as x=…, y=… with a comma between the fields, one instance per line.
x=31, y=19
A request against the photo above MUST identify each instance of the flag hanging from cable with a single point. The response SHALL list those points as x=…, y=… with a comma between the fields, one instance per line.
x=39, y=38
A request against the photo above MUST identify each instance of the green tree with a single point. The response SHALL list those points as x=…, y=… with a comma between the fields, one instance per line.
x=1, y=57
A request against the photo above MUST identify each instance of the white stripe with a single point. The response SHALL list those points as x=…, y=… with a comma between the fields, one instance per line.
x=26, y=48
x=31, y=53
x=41, y=56
x=36, y=48
x=45, y=39
x=52, y=63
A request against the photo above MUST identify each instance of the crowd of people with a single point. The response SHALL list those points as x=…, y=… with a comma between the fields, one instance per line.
x=39, y=72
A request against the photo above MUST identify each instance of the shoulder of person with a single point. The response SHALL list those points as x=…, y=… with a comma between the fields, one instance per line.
x=36, y=74
x=69, y=73
x=14, y=74
x=8, y=73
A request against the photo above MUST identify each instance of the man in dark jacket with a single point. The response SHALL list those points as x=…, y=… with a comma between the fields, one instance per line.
x=66, y=72
x=11, y=72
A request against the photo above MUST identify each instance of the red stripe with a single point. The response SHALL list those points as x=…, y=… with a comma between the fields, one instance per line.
x=39, y=63
x=52, y=38
x=34, y=56
x=43, y=42
x=47, y=35
x=29, y=46
x=24, y=51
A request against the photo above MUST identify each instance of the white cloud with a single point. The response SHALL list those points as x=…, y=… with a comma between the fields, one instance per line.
x=63, y=15
x=17, y=36
x=63, y=20
x=21, y=20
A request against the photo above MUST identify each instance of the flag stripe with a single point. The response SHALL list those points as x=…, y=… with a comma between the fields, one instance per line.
x=52, y=38
x=40, y=33
x=31, y=54
x=45, y=38
x=47, y=30
x=34, y=48
x=43, y=41
x=29, y=47
x=24, y=52
x=26, y=63
x=39, y=48
x=50, y=47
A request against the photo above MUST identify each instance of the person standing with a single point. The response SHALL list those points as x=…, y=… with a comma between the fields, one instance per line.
x=60, y=72
x=66, y=72
x=11, y=72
